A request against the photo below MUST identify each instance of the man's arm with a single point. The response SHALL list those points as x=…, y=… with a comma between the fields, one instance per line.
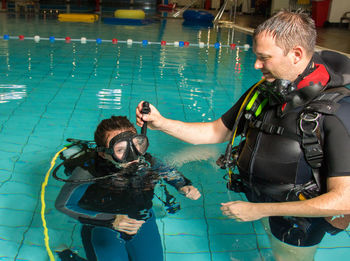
x=191, y=132
x=334, y=202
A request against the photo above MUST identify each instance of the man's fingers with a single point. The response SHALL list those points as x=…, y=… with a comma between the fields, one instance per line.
x=134, y=221
x=129, y=232
x=195, y=195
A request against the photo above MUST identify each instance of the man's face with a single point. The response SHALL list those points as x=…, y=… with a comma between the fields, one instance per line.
x=270, y=59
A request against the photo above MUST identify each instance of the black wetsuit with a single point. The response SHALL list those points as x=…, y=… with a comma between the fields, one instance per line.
x=129, y=192
x=268, y=159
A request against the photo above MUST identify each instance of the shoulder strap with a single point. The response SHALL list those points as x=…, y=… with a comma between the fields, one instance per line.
x=327, y=102
x=311, y=131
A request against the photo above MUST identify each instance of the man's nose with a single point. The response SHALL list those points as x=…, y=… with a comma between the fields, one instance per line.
x=258, y=64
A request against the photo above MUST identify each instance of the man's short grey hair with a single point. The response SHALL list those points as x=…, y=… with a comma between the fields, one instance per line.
x=290, y=29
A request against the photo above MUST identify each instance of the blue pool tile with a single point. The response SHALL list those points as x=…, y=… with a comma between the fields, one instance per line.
x=23, y=218
x=33, y=166
x=5, y=175
x=7, y=163
x=18, y=186
x=190, y=212
x=47, y=139
x=16, y=124
x=185, y=226
x=11, y=236
x=10, y=147
x=232, y=242
x=229, y=226
x=34, y=236
x=186, y=244
x=263, y=241
x=24, y=201
x=223, y=197
x=326, y=254
x=189, y=256
x=32, y=177
x=189, y=203
x=258, y=227
x=17, y=138
x=340, y=240
x=33, y=151
x=8, y=250
x=32, y=253
x=238, y=255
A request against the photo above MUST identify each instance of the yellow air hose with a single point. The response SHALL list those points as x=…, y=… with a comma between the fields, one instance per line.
x=43, y=205
x=239, y=114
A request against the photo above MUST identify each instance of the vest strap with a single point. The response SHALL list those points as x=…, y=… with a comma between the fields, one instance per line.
x=266, y=127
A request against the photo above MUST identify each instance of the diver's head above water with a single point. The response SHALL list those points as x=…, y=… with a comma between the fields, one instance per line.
x=117, y=141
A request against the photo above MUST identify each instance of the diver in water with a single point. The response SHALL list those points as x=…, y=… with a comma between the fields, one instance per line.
x=115, y=208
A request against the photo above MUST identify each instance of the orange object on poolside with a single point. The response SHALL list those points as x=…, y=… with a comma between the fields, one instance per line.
x=168, y=7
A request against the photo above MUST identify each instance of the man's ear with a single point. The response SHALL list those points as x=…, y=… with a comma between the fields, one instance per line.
x=298, y=54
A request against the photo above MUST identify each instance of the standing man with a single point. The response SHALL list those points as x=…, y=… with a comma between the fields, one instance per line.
x=293, y=161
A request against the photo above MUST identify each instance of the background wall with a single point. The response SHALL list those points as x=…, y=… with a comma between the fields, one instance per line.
x=337, y=9
x=277, y=5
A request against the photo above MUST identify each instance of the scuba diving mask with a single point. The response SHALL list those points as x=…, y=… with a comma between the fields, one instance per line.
x=126, y=147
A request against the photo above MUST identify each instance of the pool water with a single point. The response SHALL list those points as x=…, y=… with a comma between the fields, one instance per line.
x=53, y=91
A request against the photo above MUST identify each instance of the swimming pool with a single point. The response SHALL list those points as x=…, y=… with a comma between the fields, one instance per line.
x=53, y=91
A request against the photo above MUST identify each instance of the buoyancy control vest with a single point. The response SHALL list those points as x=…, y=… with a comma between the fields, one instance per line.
x=290, y=150
x=281, y=152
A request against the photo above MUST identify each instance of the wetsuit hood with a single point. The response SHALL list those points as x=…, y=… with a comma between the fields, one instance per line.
x=337, y=65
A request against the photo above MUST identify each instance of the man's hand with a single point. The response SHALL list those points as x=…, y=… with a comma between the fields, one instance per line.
x=154, y=118
x=190, y=192
x=127, y=225
x=241, y=211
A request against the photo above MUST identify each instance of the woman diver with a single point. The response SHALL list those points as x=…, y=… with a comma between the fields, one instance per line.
x=115, y=207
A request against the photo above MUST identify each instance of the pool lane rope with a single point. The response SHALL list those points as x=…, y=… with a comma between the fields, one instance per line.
x=84, y=40
x=43, y=205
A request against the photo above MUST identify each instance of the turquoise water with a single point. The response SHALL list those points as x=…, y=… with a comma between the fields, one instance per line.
x=53, y=91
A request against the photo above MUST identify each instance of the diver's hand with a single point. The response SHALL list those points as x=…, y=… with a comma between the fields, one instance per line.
x=127, y=225
x=154, y=118
x=241, y=211
x=190, y=192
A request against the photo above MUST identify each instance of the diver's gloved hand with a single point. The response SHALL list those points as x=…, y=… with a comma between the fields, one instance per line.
x=190, y=192
x=154, y=118
x=127, y=225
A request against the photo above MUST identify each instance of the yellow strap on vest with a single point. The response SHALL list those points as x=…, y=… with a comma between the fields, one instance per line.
x=230, y=171
x=244, y=105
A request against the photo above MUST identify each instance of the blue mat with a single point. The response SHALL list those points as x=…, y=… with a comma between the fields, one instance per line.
x=124, y=21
